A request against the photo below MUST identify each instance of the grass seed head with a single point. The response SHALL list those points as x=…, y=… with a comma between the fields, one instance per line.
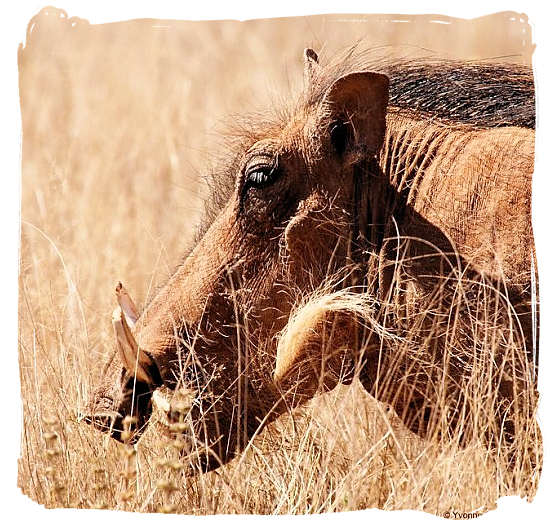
x=176, y=465
x=129, y=421
x=127, y=495
x=168, y=508
x=178, y=427
x=178, y=444
x=166, y=485
x=130, y=474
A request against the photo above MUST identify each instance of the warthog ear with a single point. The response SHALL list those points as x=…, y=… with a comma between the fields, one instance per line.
x=357, y=103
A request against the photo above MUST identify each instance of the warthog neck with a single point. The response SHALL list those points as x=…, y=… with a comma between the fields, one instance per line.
x=452, y=198
x=412, y=146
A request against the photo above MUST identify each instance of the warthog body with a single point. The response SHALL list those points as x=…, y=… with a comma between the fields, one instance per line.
x=410, y=204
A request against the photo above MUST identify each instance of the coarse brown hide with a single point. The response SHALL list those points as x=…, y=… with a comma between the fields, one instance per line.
x=383, y=201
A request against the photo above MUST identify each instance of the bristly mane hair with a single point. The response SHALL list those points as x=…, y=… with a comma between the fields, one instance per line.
x=483, y=94
x=477, y=94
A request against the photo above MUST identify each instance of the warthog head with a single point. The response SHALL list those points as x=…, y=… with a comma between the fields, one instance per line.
x=289, y=221
x=388, y=206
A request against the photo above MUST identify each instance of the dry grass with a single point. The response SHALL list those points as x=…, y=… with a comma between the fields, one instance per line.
x=118, y=121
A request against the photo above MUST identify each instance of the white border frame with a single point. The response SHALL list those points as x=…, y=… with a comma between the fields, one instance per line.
x=16, y=505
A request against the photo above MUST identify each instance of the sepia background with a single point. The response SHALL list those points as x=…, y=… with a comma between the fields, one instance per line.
x=120, y=123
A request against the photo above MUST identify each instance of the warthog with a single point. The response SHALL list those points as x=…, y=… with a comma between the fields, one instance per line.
x=407, y=192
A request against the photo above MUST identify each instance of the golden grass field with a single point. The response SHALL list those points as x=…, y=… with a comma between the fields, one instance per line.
x=120, y=122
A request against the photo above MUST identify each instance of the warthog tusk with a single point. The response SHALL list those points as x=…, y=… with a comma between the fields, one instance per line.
x=127, y=304
x=134, y=359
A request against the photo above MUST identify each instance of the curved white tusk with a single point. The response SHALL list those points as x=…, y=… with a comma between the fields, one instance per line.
x=127, y=304
x=136, y=361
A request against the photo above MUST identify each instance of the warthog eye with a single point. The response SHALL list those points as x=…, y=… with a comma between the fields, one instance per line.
x=261, y=174
x=259, y=178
